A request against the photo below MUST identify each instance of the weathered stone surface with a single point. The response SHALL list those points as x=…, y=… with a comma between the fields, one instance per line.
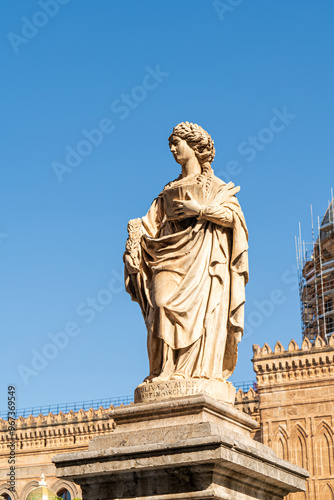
x=157, y=391
x=295, y=405
x=191, y=448
x=190, y=410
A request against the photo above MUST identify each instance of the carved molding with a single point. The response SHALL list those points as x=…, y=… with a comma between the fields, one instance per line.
x=294, y=364
x=60, y=484
x=28, y=488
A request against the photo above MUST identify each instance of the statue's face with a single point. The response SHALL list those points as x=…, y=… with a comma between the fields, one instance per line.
x=180, y=149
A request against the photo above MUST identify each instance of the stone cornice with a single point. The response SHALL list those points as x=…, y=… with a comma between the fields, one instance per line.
x=57, y=430
x=305, y=364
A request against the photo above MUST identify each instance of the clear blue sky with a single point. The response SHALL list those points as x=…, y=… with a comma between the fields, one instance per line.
x=258, y=76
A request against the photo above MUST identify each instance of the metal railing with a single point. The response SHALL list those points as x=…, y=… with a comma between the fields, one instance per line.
x=66, y=407
x=245, y=386
x=35, y=411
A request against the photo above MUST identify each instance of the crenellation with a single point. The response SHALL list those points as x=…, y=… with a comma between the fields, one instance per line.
x=266, y=352
x=278, y=348
x=248, y=402
x=307, y=363
x=293, y=346
x=306, y=344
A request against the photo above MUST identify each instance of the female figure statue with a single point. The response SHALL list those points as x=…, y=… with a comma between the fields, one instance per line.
x=186, y=265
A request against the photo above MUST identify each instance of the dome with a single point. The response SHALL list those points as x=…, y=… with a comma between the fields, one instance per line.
x=42, y=493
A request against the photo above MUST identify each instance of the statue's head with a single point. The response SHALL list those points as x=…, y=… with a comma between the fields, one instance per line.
x=197, y=138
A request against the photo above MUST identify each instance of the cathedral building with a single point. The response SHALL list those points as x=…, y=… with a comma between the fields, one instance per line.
x=294, y=404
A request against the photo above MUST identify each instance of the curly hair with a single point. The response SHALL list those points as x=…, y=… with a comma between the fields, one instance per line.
x=202, y=144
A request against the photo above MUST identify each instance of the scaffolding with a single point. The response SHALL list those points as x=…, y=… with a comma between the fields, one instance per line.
x=315, y=264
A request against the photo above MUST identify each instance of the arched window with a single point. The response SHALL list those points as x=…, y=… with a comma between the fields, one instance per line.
x=281, y=449
x=6, y=496
x=281, y=443
x=324, y=452
x=298, y=447
x=64, y=494
x=327, y=493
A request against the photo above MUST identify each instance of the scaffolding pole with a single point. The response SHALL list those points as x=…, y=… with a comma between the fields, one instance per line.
x=321, y=278
x=315, y=275
x=315, y=264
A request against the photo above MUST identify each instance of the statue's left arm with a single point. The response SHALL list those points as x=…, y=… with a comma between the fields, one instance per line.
x=220, y=215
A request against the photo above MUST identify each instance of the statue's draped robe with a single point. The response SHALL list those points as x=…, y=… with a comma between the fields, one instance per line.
x=196, y=331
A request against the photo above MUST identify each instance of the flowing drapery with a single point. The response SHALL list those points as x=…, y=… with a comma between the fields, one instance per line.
x=194, y=331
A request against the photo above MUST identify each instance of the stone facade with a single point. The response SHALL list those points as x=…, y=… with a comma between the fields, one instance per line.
x=249, y=403
x=39, y=439
x=294, y=404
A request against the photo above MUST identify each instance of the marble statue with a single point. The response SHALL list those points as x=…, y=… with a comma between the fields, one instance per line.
x=186, y=265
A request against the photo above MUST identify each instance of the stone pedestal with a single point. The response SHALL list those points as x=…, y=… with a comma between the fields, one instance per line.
x=158, y=391
x=184, y=448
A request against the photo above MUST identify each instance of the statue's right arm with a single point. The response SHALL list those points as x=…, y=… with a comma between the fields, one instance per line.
x=149, y=225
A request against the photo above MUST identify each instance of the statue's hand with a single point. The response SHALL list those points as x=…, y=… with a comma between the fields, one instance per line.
x=188, y=207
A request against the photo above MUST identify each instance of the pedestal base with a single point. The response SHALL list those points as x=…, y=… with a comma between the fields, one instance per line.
x=158, y=391
x=181, y=449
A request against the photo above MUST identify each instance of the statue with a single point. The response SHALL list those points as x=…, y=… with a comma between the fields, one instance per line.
x=186, y=265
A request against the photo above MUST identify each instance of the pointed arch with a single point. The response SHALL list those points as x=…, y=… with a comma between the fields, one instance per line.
x=266, y=349
x=28, y=488
x=319, y=342
x=324, y=450
x=298, y=446
x=278, y=348
x=293, y=346
x=61, y=484
x=306, y=344
x=281, y=444
x=251, y=393
x=326, y=493
x=4, y=488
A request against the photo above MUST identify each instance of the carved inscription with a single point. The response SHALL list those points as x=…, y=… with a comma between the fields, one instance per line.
x=169, y=389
